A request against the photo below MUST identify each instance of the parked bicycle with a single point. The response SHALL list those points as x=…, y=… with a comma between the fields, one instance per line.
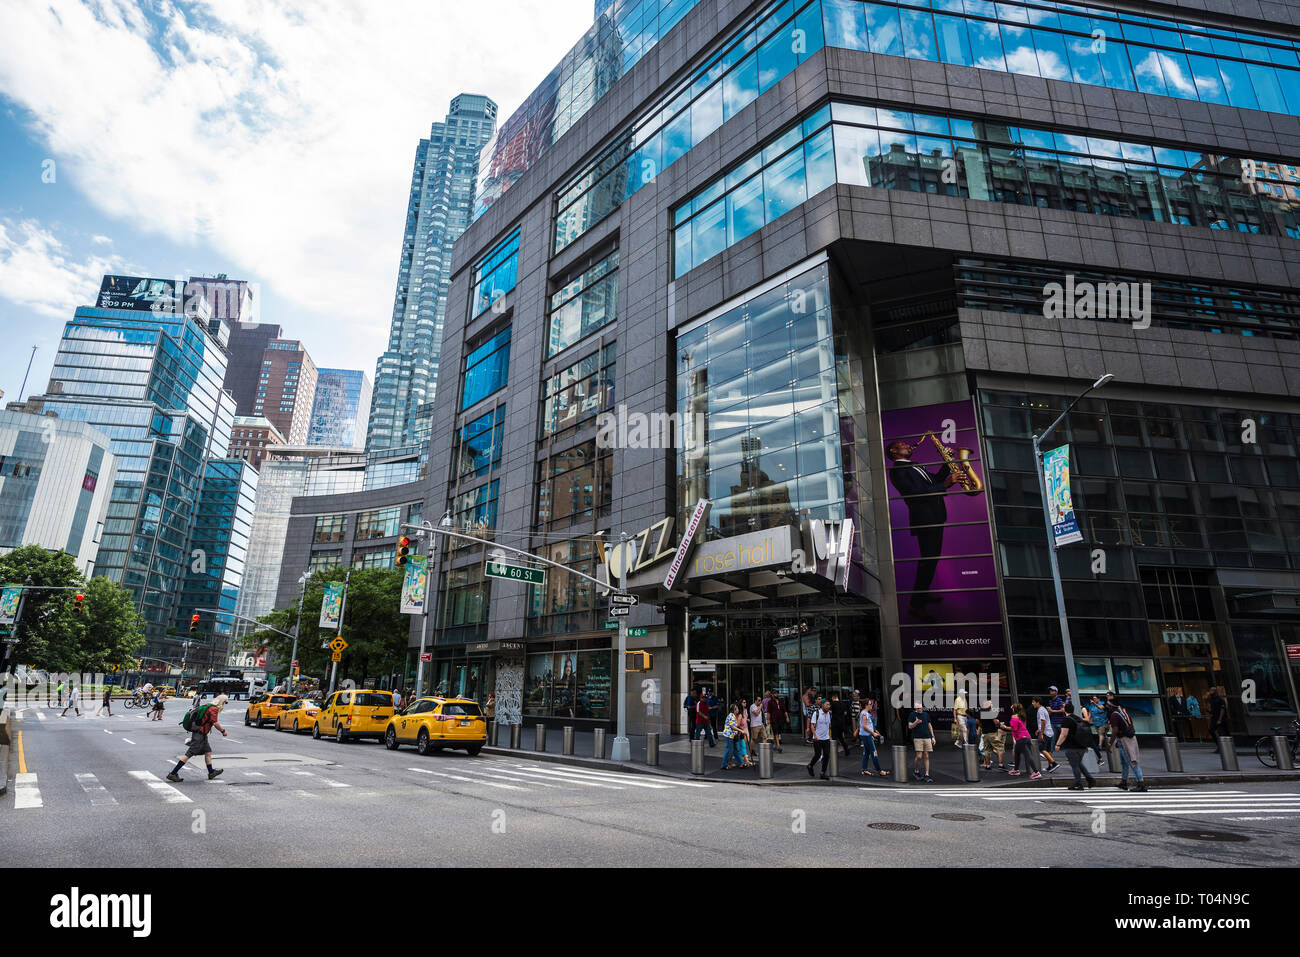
x=1267, y=752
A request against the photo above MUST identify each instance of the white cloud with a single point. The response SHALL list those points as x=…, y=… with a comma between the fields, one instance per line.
x=38, y=273
x=273, y=135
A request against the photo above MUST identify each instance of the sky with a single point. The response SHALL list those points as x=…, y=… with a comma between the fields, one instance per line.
x=270, y=140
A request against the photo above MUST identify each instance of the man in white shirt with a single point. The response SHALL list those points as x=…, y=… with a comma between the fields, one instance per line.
x=1045, y=734
x=820, y=725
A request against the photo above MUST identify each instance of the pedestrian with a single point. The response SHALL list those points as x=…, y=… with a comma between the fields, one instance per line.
x=715, y=709
x=60, y=704
x=106, y=703
x=757, y=728
x=808, y=714
x=158, y=705
x=959, y=712
x=731, y=731
x=819, y=727
x=1129, y=755
x=869, y=736
x=1043, y=733
x=742, y=724
x=993, y=733
x=777, y=715
x=922, y=729
x=1076, y=738
x=490, y=712
x=855, y=713
x=688, y=706
x=703, y=722
x=1055, y=711
x=1218, y=717
x=397, y=700
x=973, y=728
x=74, y=700
x=205, y=719
x=1024, y=743
x=1095, y=715
x=840, y=721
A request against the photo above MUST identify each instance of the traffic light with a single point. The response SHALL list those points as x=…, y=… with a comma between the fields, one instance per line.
x=77, y=602
x=194, y=625
x=403, y=549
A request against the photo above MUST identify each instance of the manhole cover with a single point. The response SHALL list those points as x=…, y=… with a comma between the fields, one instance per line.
x=891, y=826
x=958, y=817
x=1225, y=837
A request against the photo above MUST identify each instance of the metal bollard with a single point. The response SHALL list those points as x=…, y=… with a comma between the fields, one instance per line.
x=765, y=759
x=568, y=741
x=1173, y=760
x=1282, y=748
x=1228, y=754
x=652, y=749
x=599, y=743
x=539, y=742
x=697, y=756
x=516, y=736
x=494, y=734
x=970, y=755
x=900, y=763
x=1112, y=760
x=833, y=764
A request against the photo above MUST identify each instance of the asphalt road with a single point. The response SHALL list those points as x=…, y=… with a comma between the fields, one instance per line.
x=94, y=793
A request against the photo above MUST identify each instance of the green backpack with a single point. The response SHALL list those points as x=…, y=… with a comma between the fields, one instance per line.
x=193, y=719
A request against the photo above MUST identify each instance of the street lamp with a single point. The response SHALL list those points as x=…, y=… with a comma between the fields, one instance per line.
x=429, y=572
x=1071, y=676
x=293, y=657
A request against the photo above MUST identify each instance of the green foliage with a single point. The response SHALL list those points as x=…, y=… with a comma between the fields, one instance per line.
x=52, y=635
x=373, y=626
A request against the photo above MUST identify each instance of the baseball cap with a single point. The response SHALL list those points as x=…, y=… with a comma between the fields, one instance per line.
x=1053, y=688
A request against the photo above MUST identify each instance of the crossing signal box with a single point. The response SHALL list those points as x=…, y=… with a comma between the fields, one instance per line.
x=403, y=549
x=639, y=661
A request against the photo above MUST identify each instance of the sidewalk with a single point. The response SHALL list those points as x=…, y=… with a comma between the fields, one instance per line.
x=1200, y=764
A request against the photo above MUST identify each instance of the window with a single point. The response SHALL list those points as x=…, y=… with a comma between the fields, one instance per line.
x=330, y=558
x=486, y=369
x=584, y=305
x=381, y=523
x=579, y=393
x=475, y=510
x=496, y=274
x=478, y=444
x=330, y=528
x=573, y=484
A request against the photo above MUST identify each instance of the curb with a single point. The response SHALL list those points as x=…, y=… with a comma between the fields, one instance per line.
x=4, y=769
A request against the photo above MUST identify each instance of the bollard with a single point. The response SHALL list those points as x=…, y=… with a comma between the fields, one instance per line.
x=765, y=759
x=652, y=749
x=1282, y=748
x=1112, y=760
x=1173, y=760
x=971, y=762
x=516, y=736
x=568, y=741
x=598, y=748
x=833, y=764
x=539, y=742
x=697, y=756
x=900, y=763
x=493, y=734
x=1228, y=754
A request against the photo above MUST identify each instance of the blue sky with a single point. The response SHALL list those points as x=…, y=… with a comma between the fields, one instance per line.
x=271, y=140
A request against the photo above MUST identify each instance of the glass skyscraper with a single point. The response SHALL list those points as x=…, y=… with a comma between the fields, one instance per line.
x=442, y=197
x=341, y=410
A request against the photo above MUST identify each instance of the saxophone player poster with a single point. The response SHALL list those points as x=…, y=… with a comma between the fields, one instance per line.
x=939, y=526
x=1056, y=469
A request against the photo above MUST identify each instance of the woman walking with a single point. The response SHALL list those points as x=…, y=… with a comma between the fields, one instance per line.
x=1024, y=744
x=869, y=736
x=731, y=731
x=743, y=741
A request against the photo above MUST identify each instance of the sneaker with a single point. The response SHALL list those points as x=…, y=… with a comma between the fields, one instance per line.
x=1014, y=773
x=214, y=774
x=1142, y=787
x=928, y=779
x=916, y=775
x=1053, y=767
x=1123, y=785
x=1075, y=787
x=174, y=777
x=1036, y=775
x=810, y=770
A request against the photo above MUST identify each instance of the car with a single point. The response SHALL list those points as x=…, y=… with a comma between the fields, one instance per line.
x=263, y=711
x=355, y=713
x=432, y=724
x=298, y=716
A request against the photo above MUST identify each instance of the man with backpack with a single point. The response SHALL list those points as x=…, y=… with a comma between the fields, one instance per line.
x=199, y=722
x=1126, y=739
x=1076, y=738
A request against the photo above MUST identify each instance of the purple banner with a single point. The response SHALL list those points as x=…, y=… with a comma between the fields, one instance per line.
x=939, y=518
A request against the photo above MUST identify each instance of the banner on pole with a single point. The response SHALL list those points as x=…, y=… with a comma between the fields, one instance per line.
x=1056, y=468
x=9, y=598
x=415, y=585
x=331, y=608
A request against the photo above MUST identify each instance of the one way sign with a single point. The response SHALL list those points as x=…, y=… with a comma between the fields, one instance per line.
x=617, y=599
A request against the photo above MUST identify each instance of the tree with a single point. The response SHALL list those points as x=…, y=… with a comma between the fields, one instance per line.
x=373, y=625
x=112, y=629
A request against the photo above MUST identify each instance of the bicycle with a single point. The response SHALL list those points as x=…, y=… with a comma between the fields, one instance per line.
x=1266, y=753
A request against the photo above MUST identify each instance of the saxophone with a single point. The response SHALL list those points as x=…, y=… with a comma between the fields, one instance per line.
x=959, y=464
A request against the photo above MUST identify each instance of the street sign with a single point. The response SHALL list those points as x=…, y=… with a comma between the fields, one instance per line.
x=611, y=625
x=516, y=573
x=619, y=611
x=295, y=662
x=338, y=646
x=337, y=656
x=426, y=657
x=617, y=599
x=638, y=632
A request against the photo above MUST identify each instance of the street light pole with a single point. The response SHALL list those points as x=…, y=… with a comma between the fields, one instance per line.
x=293, y=656
x=1071, y=677
x=622, y=748
x=343, y=608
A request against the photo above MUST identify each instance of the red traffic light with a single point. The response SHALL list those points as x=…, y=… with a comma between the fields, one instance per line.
x=403, y=549
x=194, y=624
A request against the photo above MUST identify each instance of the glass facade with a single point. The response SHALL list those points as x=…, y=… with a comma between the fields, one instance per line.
x=478, y=444
x=584, y=305
x=341, y=409
x=982, y=159
x=497, y=274
x=573, y=484
x=487, y=369
x=579, y=393
x=570, y=683
x=380, y=523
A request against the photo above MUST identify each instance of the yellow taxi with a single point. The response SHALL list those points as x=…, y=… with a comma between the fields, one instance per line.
x=298, y=716
x=354, y=713
x=432, y=724
x=260, y=711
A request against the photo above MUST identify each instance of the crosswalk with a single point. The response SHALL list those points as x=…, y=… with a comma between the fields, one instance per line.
x=1162, y=802
x=479, y=775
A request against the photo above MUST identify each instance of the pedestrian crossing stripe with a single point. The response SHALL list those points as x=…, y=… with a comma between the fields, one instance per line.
x=160, y=788
x=98, y=794
x=26, y=792
x=1166, y=802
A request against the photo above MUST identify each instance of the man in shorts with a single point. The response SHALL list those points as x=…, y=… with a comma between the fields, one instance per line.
x=207, y=720
x=918, y=722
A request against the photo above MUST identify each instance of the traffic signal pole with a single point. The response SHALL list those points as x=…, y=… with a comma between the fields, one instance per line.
x=343, y=610
x=622, y=747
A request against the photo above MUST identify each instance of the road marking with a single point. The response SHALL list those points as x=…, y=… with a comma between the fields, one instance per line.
x=252, y=774
x=575, y=780
x=521, y=776
x=41, y=715
x=99, y=795
x=160, y=788
x=1166, y=802
x=18, y=717
x=305, y=794
x=26, y=793
x=22, y=755
x=128, y=741
x=106, y=731
x=631, y=780
x=456, y=777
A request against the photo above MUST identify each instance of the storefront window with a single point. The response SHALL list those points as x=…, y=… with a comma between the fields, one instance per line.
x=1259, y=658
x=569, y=684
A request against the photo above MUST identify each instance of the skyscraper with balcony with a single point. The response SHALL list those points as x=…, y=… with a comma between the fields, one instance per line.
x=441, y=200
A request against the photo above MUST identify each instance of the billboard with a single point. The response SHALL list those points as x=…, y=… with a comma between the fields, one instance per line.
x=944, y=572
x=331, y=607
x=9, y=599
x=415, y=584
x=139, y=294
x=1056, y=472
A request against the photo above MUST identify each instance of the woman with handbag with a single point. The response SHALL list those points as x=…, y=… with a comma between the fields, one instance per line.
x=869, y=737
x=731, y=731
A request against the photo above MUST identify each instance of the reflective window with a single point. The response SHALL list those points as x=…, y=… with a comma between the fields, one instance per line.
x=486, y=369
x=330, y=528
x=381, y=523
x=478, y=444
x=578, y=393
x=496, y=274
x=584, y=305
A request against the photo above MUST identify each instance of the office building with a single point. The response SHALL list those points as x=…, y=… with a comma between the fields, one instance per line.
x=286, y=389
x=55, y=480
x=442, y=197
x=861, y=253
x=248, y=345
x=341, y=411
x=252, y=438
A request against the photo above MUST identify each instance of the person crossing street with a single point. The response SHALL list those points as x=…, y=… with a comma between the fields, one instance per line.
x=205, y=719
